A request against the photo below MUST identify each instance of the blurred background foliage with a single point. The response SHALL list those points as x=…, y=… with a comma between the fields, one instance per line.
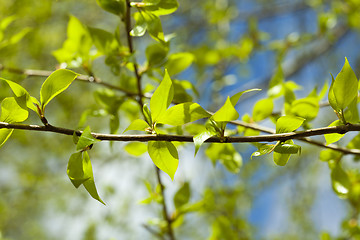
x=217, y=48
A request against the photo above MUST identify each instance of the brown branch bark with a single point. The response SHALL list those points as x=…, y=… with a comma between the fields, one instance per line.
x=301, y=135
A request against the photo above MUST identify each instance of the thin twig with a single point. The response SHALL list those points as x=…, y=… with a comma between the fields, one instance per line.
x=131, y=49
x=301, y=135
x=153, y=232
x=165, y=211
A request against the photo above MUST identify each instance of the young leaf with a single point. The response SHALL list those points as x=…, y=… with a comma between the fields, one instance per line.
x=281, y=159
x=307, y=108
x=263, y=149
x=226, y=154
x=20, y=93
x=331, y=96
x=226, y=113
x=345, y=87
x=86, y=139
x=138, y=124
x=182, y=196
x=161, y=98
x=200, y=138
x=140, y=26
x=263, y=109
x=55, y=84
x=136, y=148
x=183, y=113
x=75, y=169
x=333, y=137
x=11, y=112
x=116, y=7
x=235, y=98
x=340, y=181
x=154, y=27
x=4, y=135
x=147, y=115
x=165, y=156
x=288, y=124
x=178, y=62
x=288, y=147
x=90, y=183
x=161, y=7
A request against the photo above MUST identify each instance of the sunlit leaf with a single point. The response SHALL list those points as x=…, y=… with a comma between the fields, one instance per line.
x=281, y=159
x=226, y=154
x=183, y=113
x=136, y=148
x=161, y=7
x=307, y=108
x=200, y=138
x=20, y=93
x=178, y=62
x=263, y=109
x=288, y=147
x=288, y=124
x=138, y=124
x=5, y=135
x=86, y=139
x=161, y=98
x=333, y=137
x=165, y=156
x=235, y=98
x=11, y=112
x=226, y=113
x=55, y=84
x=345, y=87
x=116, y=7
x=75, y=169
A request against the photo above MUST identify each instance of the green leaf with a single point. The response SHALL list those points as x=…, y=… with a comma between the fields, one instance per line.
x=11, y=112
x=156, y=54
x=263, y=109
x=183, y=113
x=161, y=98
x=77, y=169
x=329, y=154
x=226, y=154
x=147, y=21
x=331, y=96
x=86, y=139
x=90, y=184
x=147, y=115
x=104, y=41
x=136, y=148
x=140, y=26
x=235, y=98
x=161, y=7
x=55, y=84
x=281, y=159
x=226, y=113
x=340, y=181
x=307, y=108
x=21, y=93
x=333, y=137
x=263, y=149
x=288, y=124
x=76, y=48
x=138, y=125
x=345, y=87
x=178, y=62
x=200, y=138
x=182, y=196
x=117, y=7
x=288, y=147
x=5, y=135
x=351, y=114
x=165, y=156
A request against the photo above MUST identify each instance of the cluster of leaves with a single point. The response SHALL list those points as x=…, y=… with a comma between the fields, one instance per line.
x=171, y=108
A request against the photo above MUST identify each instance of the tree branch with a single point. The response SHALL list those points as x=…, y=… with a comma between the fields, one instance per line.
x=301, y=135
